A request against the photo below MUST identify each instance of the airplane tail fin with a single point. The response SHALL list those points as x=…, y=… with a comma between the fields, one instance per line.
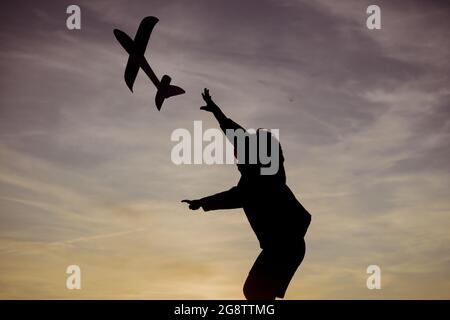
x=166, y=90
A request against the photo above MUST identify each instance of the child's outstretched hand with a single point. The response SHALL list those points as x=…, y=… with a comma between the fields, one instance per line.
x=210, y=105
x=193, y=204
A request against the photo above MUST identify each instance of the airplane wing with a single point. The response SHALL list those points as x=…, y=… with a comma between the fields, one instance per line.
x=140, y=44
x=136, y=50
x=143, y=34
x=132, y=67
x=131, y=72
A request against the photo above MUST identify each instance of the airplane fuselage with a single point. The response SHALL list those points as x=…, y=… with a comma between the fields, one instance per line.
x=136, y=60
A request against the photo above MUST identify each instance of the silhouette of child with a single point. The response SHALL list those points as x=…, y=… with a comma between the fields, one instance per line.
x=278, y=219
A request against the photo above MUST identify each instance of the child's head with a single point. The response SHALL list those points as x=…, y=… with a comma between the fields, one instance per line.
x=258, y=152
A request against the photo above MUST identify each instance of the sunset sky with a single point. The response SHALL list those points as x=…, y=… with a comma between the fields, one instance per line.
x=86, y=176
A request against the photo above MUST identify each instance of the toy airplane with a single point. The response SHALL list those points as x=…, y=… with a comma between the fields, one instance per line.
x=136, y=60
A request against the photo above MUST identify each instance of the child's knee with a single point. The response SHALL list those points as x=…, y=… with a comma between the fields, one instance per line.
x=248, y=294
x=252, y=293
